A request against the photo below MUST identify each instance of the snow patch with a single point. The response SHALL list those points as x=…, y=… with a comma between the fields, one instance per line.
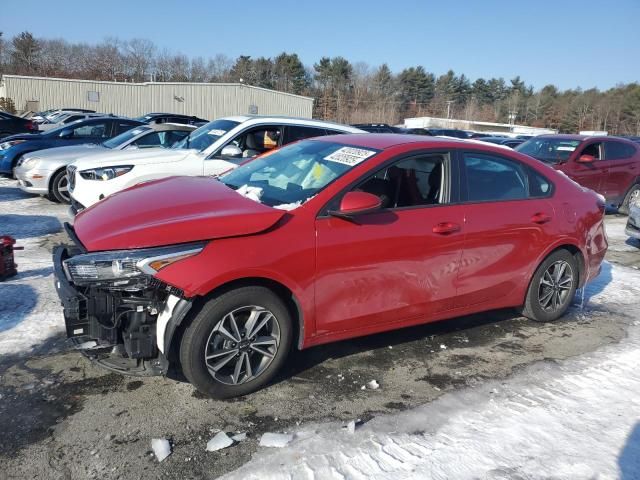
x=252, y=193
x=277, y=440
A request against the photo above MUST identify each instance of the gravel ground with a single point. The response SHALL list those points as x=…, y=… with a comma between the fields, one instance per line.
x=62, y=417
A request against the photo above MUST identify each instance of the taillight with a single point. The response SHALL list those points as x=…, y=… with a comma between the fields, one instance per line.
x=30, y=125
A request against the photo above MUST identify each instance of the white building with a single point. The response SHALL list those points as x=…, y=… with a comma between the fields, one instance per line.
x=489, y=127
x=205, y=100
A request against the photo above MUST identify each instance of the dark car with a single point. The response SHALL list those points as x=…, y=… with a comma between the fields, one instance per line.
x=10, y=124
x=172, y=118
x=607, y=165
x=449, y=132
x=509, y=142
x=94, y=130
x=378, y=128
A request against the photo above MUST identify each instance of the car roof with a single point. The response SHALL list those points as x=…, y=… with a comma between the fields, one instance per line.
x=582, y=138
x=382, y=141
x=161, y=127
x=257, y=119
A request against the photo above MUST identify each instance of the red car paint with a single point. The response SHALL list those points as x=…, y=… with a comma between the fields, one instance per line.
x=390, y=269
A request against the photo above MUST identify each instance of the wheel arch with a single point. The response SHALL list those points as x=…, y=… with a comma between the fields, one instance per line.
x=282, y=291
x=573, y=249
x=52, y=176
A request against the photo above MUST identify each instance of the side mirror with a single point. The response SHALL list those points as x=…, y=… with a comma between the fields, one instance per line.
x=66, y=133
x=231, y=151
x=357, y=203
x=586, y=159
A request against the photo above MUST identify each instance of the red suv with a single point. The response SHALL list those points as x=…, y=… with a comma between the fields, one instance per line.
x=607, y=165
x=323, y=240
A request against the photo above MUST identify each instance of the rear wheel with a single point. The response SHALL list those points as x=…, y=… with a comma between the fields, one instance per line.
x=60, y=187
x=236, y=343
x=632, y=196
x=552, y=287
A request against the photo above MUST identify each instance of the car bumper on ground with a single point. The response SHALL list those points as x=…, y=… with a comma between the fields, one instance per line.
x=32, y=181
x=117, y=329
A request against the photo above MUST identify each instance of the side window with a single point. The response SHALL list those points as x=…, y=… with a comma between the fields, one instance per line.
x=72, y=118
x=92, y=130
x=411, y=182
x=539, y=186
x=161, y=139
x=334, y=132
x=150, y=140
x=123, y=127
x=492, y=178
x=618, y=150
x=595, y=150
x=295, y=133
x=258, y=140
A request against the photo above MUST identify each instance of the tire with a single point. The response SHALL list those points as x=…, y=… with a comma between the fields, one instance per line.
x=538, y=305
x=59, y=190
x=220, y=378
x=632, y=194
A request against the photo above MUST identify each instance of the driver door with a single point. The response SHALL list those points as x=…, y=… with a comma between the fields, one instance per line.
x=395, y=265
x=591, y=175
x=247, y=145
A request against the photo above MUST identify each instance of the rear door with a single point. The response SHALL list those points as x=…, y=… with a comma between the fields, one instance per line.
x=508, y=224
x=622, y=166
x=395, y=265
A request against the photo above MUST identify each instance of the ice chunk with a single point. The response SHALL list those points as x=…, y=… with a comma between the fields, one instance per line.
x=443, y=346
x=220, y=441
x=277, y=440
x=351, y=427
x=238, y=437
x=373, y=385
x=161, y=448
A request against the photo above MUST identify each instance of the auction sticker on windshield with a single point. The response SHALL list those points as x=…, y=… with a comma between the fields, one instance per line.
x=216, y=132
x=350, y=156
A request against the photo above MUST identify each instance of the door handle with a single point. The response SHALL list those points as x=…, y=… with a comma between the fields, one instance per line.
x=446, y=228
x=541, y=218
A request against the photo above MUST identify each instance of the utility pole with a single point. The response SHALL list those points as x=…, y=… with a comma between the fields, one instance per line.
x=449, y=102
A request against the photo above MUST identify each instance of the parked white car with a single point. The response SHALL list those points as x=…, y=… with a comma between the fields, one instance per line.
x=212, y=149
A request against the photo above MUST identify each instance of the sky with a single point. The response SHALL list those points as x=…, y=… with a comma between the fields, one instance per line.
x=567, y=43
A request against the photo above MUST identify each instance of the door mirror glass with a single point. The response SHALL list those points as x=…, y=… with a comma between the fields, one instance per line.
x=356, y=203
x=66, y=133
x=585, y=158
x=231, y=151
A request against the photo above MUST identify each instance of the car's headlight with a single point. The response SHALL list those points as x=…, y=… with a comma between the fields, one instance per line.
x=9, y=144
x=29, y=163
x=105, y=173
x=119, y=266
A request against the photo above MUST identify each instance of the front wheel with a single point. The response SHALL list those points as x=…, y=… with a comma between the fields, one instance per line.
x=632, y=196
x=60, y=187
x=552, y=287
x=237, y=342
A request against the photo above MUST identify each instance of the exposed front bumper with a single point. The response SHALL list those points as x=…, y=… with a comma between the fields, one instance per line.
x=117, y=329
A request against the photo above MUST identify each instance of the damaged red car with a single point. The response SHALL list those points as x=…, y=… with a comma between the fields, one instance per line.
x=324, y=240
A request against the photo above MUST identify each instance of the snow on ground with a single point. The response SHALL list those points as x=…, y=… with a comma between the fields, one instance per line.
x=577, y=419
x=30, y=311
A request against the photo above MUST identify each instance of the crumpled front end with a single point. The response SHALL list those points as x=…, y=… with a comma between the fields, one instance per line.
x=115, y=310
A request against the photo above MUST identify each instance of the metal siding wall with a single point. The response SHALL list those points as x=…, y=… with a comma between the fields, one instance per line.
x=204, y=100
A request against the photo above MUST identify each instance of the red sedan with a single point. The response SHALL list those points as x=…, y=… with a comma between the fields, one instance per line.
x=324, y=240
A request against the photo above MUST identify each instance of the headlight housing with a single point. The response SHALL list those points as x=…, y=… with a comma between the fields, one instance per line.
x=29, y=163
x=7, y=145
x=105, y=173
x=121, y=267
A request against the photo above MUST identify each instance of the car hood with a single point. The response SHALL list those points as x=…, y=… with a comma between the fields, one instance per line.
x=23, y=136
x=171, y=211
x=141, y=156
x=69, y=152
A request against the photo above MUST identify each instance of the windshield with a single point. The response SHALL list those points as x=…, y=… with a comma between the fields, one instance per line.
x=206, y=135
x=549, y=150
x=125, y=137
x=290, y=176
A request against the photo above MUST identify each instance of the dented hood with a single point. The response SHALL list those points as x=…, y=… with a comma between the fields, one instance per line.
x=171, y=211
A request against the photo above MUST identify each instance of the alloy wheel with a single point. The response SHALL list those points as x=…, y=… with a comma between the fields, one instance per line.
x=242, y=345
x=63, y=188
x=555, y=286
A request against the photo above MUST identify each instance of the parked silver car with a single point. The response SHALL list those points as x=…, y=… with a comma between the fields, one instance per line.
x=44, y=172
x=633, y=222
x=65, y=118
